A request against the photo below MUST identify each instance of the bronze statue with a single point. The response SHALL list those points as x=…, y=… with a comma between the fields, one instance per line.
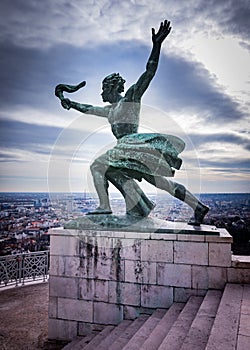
x=150, y=156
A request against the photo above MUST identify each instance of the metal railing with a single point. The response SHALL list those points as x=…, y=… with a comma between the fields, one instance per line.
x=20, y=269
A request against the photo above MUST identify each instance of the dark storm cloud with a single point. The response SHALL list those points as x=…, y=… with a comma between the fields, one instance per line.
x=242, y=165
x=30, y=76
x=232, y=138
x=230, y=15
x=23, y=136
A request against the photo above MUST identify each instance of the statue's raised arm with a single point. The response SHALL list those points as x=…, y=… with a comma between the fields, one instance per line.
x=138, y=89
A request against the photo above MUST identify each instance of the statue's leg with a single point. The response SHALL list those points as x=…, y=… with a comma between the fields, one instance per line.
x=137, y=203
x=179, y=191
x=98, y=170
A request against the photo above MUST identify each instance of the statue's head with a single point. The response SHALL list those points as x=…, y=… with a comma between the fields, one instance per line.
x=112, y=85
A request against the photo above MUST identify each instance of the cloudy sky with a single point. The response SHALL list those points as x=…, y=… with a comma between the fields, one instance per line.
x=200, y=92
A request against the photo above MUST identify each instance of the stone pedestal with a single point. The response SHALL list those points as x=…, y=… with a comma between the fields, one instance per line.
x=100, y=277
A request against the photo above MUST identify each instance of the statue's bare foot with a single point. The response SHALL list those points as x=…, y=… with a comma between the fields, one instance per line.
x=100, y=211
x=199, y=214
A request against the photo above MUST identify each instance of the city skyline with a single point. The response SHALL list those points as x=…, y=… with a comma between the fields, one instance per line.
x=200, y=91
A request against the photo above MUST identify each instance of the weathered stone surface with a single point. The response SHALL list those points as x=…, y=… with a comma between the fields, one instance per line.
x=220, y=254
x=62, y=329
x=237, y=275
x=217, y=277
x=176, y=275
x=182, y=295
x=91, y=289
x=131, y=249
x=75, y=310
x=156, y=251
x=156, y=296
x=125, y=293
x=140, y=272
x=200, y=278
x=52, y=307
x=101, y=277
x=66, y=287
x=106, y=313
x=195, y=253
x=66, y=245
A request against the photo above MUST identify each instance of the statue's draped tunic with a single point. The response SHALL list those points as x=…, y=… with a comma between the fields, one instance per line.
x=151, y=153
x=140, y=153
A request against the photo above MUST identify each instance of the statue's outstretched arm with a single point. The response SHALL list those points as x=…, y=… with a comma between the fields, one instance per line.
x=152, y=63
x=81, y=107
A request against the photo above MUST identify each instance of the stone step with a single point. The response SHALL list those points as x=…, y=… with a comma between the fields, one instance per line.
x=128, y=333
x=159, y=333
x=198, y=334
x=225, y=328
x=217, y=321
x=114, y=335
x=73, y=345
x=94, y=343
x=145, y=330
x=243, y=340
x=176, y=335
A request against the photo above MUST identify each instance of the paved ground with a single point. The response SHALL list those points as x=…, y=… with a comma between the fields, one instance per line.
x=24, y=318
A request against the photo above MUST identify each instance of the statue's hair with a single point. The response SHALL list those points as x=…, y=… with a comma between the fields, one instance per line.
x=115, y=80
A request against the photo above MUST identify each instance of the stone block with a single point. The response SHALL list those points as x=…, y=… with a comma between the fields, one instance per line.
x=86, y=288
x=131, y=249
x=217, y=277
x=164, y=236
x=176, y=275
x=130, y=312
x=64, y=245
x=243, y=342
x=52, y=307
x=194, y=253
x=200, y=279
x=75, y=310
x=157, y=251
x=124, y=293
x=54, y=265
x=191, y=238
x=156, y=296
x=224, y=237
x=241, y=261
x=107, y=313
x=63, y=287
x=137, y=235
x=235, y=275
x=86, y=328
x=104, y=269
x=90, y=289
x=245, y=306
x=140, y=272
x=181, y=295
x=101, y=290
x=62, y=329
x=245, y=325
x=220, y=254
x=69, y=266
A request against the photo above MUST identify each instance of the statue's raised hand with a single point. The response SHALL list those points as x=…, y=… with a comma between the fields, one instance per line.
x=162, y=33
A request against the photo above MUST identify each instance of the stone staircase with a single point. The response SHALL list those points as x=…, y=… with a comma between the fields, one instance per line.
x=220, y=320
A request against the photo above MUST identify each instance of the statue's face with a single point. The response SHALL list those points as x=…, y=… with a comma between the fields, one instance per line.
x=107, y=93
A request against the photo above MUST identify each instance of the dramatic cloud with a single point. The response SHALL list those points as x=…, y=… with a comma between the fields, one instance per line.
x=202, y=83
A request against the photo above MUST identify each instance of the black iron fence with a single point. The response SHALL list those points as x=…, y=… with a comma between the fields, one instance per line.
x=21, y=269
